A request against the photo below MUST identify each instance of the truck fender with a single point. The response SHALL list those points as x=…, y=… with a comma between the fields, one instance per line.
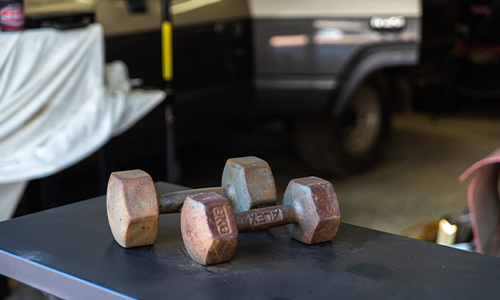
x=366, y=63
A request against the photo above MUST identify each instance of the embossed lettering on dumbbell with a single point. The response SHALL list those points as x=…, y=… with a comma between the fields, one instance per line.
x=310, y=209
x=221, y=220
x=273, y=215
x=133, y=206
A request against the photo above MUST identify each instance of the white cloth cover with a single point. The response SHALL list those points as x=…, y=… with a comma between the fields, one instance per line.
x=58, y=104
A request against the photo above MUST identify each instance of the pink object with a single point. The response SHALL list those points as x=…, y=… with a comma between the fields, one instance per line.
x=11, y=15
x=484, y=203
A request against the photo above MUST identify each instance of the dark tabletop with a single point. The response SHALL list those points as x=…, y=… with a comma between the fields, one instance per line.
x=70, y=252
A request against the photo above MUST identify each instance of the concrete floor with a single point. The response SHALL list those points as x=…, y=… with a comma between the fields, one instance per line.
x=416, y=181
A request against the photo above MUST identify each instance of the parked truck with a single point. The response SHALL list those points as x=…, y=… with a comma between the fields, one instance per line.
x=333, y=69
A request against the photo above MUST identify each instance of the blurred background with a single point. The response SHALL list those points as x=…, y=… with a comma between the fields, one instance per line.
x=391, y=103
x=399, y=96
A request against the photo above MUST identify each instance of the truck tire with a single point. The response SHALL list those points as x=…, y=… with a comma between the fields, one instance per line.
x=350, y=143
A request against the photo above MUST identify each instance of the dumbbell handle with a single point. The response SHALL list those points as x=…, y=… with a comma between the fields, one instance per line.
x=173, y=202
x=265, y=218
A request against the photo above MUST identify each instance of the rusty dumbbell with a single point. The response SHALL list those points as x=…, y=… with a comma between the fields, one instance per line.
x=134, y=207
x=210, y=228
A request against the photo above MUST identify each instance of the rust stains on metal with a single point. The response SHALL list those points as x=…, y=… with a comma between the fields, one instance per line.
x=315, y=201
x=132, y=208
x=208, y=228
x=250, y=180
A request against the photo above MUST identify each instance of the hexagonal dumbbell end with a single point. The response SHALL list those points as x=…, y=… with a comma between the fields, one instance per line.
x=316, y=202
x=208, y=228
x=248, y=180
x=132, y=208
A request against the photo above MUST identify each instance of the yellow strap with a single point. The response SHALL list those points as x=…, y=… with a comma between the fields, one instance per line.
x=166, y=36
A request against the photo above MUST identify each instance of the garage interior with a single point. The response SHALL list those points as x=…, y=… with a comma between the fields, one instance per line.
x=416, y=183
x=441, y=129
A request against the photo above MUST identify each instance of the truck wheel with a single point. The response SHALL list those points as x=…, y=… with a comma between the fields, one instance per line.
x=350, y=143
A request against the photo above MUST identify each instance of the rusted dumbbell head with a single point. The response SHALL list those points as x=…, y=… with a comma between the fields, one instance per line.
x=250, y=180
x=134, y=206
x=316, y=202
x=210, y=229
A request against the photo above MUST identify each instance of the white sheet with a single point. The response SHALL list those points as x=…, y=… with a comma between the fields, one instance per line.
x=57, y=102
